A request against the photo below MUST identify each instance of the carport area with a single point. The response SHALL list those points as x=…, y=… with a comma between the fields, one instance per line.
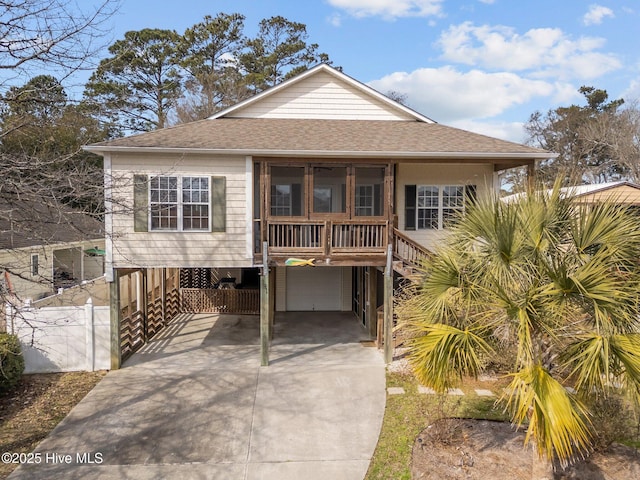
x=194, y=403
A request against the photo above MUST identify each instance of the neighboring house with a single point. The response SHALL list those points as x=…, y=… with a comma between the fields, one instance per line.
x=621, y=192
x=44, y=249
x=318, y=167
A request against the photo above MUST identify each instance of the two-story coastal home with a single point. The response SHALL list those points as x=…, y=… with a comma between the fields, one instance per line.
x=318, y=167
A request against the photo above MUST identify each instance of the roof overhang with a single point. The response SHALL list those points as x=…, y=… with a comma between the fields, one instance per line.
x=486, y=156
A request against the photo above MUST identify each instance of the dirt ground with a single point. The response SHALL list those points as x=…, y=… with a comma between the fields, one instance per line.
x=36, y=406
x=457, y=449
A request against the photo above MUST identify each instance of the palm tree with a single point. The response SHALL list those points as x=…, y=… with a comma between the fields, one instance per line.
x=556, y=280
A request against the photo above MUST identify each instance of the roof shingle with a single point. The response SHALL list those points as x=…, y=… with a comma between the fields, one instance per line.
x=28, y=223
x=322, y=137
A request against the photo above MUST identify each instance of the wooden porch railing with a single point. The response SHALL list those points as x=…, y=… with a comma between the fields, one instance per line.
x=325, y=238
x=359, y=236
x=201, y=300
x=408, y=250
x=304, y=237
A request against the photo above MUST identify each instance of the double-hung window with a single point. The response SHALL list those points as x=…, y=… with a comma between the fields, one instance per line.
x=179, y=203
x=435, y=207
x=428, y=206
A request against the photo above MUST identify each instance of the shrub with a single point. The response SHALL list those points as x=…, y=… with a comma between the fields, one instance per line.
x=11, y=362
x=612, y=420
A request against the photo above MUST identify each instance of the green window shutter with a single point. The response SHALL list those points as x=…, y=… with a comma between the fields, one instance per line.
x=410, y=197
x=140, y=203
x=219, y=204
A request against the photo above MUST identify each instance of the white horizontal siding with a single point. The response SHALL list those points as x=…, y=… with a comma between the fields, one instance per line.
x=438, y=174
x=321, y=96
x=180, y=249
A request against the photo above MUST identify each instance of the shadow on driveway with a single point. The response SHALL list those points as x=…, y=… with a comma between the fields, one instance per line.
x=194, y=403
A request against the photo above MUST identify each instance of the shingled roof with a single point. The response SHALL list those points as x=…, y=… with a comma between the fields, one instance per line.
x=286, y=120
x=28, y=223
x=305, y=137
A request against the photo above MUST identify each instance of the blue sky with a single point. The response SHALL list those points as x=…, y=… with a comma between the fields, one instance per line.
x=482, y=65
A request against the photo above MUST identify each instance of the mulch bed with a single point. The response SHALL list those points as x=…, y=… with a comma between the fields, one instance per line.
x=458, y=449
x=37, y=404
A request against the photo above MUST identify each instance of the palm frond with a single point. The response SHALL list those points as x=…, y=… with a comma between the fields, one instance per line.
x=588, y=360
x=443, y=354
x=626, y=349
x=557, y=421
x=608, y=296
x=606, y=226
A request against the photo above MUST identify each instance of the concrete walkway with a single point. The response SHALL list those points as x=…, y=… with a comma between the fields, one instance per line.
x=195, y=404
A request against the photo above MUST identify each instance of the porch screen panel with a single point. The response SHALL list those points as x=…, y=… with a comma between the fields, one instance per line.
x=329, y=189
x=287, y=191
x=369, y=192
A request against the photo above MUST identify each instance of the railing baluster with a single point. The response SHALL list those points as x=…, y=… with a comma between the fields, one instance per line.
x=326, y=236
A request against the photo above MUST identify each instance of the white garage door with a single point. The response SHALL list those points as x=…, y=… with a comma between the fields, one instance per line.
x=314, y=289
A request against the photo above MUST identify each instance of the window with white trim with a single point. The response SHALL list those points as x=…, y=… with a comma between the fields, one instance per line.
x=438, y=206
x=179, y=203
x=35, y=265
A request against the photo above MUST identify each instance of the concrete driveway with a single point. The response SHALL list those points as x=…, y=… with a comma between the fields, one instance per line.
x=195, y=404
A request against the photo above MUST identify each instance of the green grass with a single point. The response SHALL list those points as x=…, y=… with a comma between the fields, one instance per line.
x=631, y=443
x=407, y=415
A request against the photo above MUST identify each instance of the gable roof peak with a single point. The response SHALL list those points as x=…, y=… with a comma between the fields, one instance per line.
x=340, y=76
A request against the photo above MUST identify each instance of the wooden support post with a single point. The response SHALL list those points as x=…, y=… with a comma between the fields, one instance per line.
x=272, y=303
x=114, y=314
x=388, y=307
x=142, y=286
x=265, y=309
x=372, y=299
x=163, y=295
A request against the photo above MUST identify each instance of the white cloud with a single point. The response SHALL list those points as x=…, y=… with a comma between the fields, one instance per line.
x=597, y=14
x=390, y=9
x=448, y=95
x=543, y=52
x=488, y=2
x=512, y=131
x=632, y=92
x=335, y=20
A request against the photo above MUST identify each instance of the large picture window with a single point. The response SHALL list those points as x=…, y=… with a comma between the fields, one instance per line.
x=179, y=203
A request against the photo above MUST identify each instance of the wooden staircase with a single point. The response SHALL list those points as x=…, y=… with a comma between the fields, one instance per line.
x=408, y=255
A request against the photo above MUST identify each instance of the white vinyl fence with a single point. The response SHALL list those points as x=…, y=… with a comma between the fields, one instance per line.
x=62, y=339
